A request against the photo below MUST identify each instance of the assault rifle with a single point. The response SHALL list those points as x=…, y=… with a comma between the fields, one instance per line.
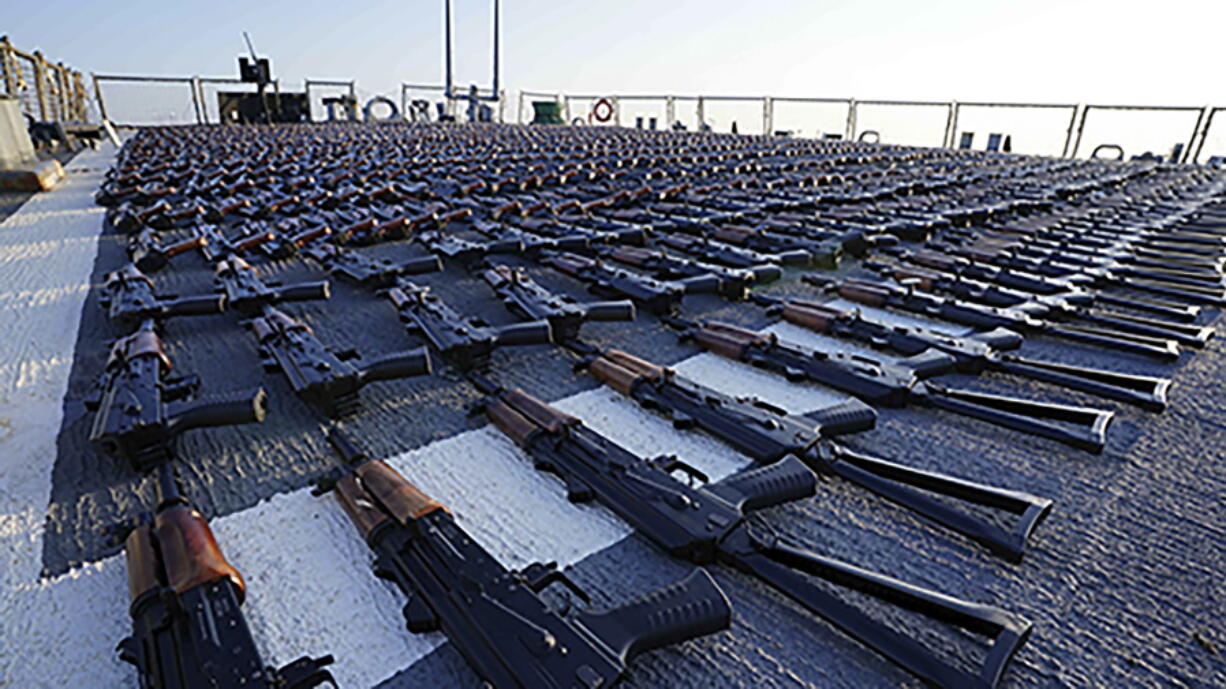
x=528, y=300
x=657, y=296
x=188, y=629
x=248, y=294
x=147, y=252
x=893, y=385
x=906, y=298
x=932, y=353
x=1052, y=307
x=509, y=635
x=465, y=342
x=129, y=300
x=729, y=255
x=216, y=246
x=767, y=434
x=140, y=408
x=706, y=523
x=322, y=377
x=371, y=273
x=731, y=283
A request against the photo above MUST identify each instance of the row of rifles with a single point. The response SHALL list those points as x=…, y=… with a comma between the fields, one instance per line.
x=1122, y=257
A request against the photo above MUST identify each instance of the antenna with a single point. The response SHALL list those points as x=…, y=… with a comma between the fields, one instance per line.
x=250, y=47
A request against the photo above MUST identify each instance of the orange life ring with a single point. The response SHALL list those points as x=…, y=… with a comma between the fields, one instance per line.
x=602, y=115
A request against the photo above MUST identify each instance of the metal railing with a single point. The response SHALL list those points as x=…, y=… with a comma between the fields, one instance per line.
x=48, y=92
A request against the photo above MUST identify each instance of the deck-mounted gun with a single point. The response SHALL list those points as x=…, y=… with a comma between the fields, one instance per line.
x=528, y=300
x=129, y=300
x=140, y=408
x=465, y=342
x=496, y=618
x=320, y=376
x=972, y=353
x=188, y=629
x=248, y=294
x=359, y=269
x=767, y=434
x=706, y=523
x=893, y=385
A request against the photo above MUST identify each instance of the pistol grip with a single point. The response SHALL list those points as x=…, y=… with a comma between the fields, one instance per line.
x=692, y=607
x=786, y=480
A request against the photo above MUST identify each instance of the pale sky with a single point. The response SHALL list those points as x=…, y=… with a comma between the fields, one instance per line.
x=1037, y=50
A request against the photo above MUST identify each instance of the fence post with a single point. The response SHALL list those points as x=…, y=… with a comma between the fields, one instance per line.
x=1068, y=137
x=670, y=112
x=617, y=112
x=8, y=64
x=40, y=87
x=196, y=97
x=565, y=106
x=768, y=115
x=702, y=113
x=98, y=95
x=1204, y=134
x=849, y=132
x=1085, y=111
x=951, y=125
x=1195, y=130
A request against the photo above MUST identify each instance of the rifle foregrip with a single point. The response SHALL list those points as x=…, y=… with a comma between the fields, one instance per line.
x=515, y=425
x=692, y=607
x=196, y=306
x=702, y=284
x=143, y=565
x=535, y=332
x=307, y=291
x=415, y=362
x=190, y=553
x=221, y=410
x=605, y=311
x=418, y=266
x=784, y=481
x=849, y=416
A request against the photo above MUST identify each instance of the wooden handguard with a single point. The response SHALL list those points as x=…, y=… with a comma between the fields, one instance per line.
x=621, y=371
x=190, y=554
x=727, y=340
x=862, y=294
x=364, y=514
x=515, y=425
x=143, y=566
x=395, y=493
x=538, y=412
x=809, y=315
x=184, y=246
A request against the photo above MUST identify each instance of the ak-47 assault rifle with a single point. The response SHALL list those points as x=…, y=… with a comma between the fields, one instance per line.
x=707, y=523
x=657, y=296
x=906, y=298
x=359, y=269
x=767, y=434
x=466, y=343
x=726, y=254
x=248, y=294
x=150, y=254
x=320, y=376
x=129, y=300
x=1055, y=307
x=510, y=636
x=140, y=408
x=216, y=246
x=188, y=629
x=731, y=283
x=525, y=298
x=973, y=353
x=894, y=385
x=1007, y=287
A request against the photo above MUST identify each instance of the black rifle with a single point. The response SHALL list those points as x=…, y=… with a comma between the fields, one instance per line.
x=248, y=294
x=972, y=353
x=1053, y=307
x=659, y=297
x=129, y=300
x=729, y=282
x=509, y=635
x=188, y=629
x=151, y=255
x=140, y=408
x=1006, y=287
x=322, y=377
x=729, y=255
x=767, y=434
x=892, y=385
x=905, y=298
x=217, y=246
x=525, y=298
x=704, y=524
x=360, y=269
x=465, y=342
